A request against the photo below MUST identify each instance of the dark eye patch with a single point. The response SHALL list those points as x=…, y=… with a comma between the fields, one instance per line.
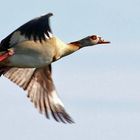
x=94, y=37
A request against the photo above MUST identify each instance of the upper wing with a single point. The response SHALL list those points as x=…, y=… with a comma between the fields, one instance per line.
x=41, y=90
x=36, y=29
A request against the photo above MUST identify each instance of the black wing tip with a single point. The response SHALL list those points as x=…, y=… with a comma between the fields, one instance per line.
x=48, y=15
x=60, y=115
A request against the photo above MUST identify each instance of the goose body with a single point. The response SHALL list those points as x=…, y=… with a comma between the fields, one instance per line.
x=33, y=54
x=26, y=56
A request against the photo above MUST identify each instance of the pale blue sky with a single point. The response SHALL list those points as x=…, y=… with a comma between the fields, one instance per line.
x=100, y=86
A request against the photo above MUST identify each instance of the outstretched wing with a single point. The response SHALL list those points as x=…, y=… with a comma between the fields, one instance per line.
x=41, y=91
x=36, y=29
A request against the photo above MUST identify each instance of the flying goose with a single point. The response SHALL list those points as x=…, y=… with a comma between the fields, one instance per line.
x=26, y=56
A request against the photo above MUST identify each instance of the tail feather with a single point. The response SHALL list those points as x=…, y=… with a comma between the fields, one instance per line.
x=41, y=90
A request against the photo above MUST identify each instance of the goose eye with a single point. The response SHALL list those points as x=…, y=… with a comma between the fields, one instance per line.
x=94, y=37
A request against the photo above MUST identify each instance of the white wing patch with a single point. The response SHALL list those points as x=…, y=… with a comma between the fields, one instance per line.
x=46, y=36
x=55, y=98
x=50, y=34
x=16, y=38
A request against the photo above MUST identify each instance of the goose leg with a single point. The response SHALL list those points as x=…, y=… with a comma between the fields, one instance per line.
x=5, y=55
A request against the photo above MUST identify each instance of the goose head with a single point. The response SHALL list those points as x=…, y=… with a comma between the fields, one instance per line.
x=92, y=40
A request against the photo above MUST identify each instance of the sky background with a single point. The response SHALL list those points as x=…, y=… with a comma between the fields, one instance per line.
x=100, y=86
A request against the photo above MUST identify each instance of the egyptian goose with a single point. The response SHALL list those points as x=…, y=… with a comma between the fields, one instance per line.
x=26, y=56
